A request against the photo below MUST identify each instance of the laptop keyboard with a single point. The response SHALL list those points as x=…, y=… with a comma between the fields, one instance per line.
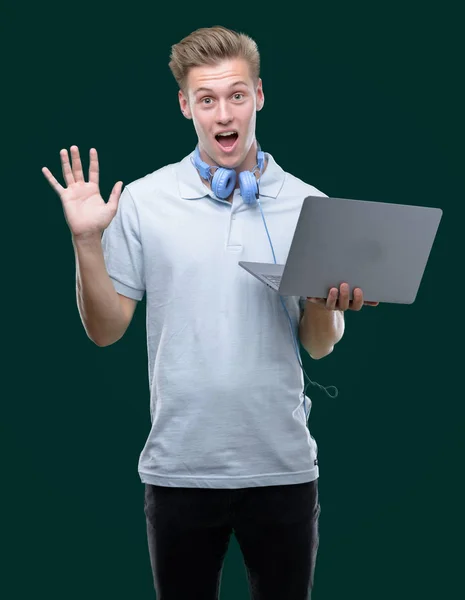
x=276, y=279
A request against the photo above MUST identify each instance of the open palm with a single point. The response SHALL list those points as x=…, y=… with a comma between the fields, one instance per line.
x=85, y=210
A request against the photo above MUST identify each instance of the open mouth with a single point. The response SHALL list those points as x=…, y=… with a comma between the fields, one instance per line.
x=227, y=140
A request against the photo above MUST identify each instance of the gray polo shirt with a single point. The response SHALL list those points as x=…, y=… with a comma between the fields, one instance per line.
x=226, y=388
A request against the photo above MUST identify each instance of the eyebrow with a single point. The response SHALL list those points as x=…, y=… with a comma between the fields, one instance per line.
x=205, y=89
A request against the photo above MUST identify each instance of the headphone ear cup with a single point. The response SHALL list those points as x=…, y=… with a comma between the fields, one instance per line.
x=223, y=183
x=249, y=187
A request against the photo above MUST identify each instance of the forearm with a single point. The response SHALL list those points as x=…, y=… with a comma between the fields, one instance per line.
x=320, y=329
x=98, y=303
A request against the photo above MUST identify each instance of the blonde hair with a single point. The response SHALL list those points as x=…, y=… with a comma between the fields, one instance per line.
x=209, y=46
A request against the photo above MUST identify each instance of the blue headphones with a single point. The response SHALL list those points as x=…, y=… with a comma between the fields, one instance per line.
x=223, y=181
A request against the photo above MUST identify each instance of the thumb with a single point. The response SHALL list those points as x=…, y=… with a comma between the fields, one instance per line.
x=316, y=300
x=115, y=195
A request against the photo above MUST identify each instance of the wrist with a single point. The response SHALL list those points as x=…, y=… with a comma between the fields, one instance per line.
x=87, y=239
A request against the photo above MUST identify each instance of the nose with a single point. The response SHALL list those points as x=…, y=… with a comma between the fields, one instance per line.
x=223, y=114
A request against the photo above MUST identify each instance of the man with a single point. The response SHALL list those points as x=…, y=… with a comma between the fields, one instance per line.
x=229, y=448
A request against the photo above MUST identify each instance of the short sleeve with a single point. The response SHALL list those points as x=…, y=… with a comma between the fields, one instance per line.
x=122, y=249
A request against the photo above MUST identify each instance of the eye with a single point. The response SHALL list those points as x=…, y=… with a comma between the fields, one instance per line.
x=238, y=94
x=204, y=100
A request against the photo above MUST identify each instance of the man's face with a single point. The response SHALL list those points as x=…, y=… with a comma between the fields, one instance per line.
x=220, y=99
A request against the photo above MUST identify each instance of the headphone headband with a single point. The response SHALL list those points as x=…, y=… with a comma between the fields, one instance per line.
x=205, y=169
x=223, y=180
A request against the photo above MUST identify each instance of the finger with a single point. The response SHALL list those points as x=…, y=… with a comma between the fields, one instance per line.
x=52, y=181
x=344, y=297
x=93, y=166
x=357, y=302
x=77, y=165
x=332, y=299
x=67, y=173
x=371, y=303
x=115, y=195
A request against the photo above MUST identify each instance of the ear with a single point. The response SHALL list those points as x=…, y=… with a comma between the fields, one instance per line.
x=184, y=105
x=260, y=95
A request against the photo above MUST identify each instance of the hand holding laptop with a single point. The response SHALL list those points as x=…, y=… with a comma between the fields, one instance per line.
x=378, y=246
x=339, y=300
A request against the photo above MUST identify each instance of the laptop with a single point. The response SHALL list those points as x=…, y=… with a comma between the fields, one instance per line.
x=380, y=247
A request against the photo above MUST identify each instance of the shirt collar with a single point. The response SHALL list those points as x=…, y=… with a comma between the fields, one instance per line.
x=192, y=187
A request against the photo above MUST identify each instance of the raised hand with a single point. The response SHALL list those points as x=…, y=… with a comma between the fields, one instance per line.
x=86, y=213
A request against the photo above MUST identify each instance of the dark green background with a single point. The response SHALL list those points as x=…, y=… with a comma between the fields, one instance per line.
x=363, y=100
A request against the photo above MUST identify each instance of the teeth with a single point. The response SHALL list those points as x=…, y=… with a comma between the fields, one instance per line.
x=227, y=133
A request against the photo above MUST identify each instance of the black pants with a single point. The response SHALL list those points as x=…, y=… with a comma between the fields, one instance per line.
x=188, y=531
